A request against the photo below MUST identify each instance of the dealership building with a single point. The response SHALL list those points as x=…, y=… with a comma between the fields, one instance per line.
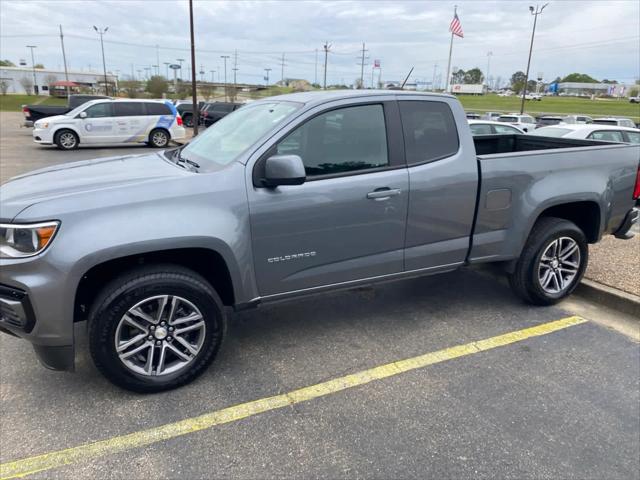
x=16, y=78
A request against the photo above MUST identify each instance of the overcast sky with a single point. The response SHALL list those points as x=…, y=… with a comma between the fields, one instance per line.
x=601, y=38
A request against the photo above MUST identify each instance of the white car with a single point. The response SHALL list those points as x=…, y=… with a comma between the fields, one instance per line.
x=487, y=127
x=615, y=121
x=526, y=123
x=605, y=133
x=533, y=96
x=107, y=121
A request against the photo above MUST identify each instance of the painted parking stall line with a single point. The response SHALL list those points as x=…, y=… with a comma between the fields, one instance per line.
x=83, y=453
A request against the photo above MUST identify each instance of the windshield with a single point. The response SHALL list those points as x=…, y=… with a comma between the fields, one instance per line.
x=231, y=136
x=551, y=132
x=508, y=119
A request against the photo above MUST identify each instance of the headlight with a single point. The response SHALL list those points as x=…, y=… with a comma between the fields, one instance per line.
x=26, y=240
x=42, y=125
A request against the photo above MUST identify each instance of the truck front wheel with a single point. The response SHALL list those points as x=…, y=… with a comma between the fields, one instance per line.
x=156, y=328
x=552, y=263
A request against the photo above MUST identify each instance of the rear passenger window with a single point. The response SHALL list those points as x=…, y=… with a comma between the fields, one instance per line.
x=634, y=137
x=607, y=136
x=158, y=109
x=429, y=131
x=344, y=140
x=480, y=129
x=128, y=109
x=505, y=129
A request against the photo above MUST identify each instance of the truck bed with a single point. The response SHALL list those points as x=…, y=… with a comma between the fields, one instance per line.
x=497, y=144
x=522, y=176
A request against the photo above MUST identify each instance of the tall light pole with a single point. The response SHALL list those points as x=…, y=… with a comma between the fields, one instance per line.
x=213, y=72
x=489, y=55
x=33, y=67
x=104, y=64
x=327, y=47
x=194, y=92
x=64, y=58
x=166, y=66
x=224, y=57
x=267, y=70
x=180, y=60
x=535, y=12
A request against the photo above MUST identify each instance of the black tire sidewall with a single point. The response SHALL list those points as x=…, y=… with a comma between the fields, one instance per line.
x=151, y=141
x=188, y=121
x=561, y=229
x=104, y=321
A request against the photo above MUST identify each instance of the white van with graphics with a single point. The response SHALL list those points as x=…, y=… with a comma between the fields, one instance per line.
x=108, y=121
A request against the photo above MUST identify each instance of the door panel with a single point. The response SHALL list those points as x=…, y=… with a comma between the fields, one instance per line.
x=98, y=126
x=347, y=221
x=328, y=231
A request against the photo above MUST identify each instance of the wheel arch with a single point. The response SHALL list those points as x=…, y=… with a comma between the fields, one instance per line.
x=55, y=132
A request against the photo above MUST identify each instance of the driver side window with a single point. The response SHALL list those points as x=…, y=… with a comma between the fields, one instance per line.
x=339, y=141
x=99, y=111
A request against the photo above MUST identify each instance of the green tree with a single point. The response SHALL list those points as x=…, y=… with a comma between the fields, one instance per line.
x=7, y=63
x=474, y=76
x=517, y=81
x=580, y=78
x=457, y=77
x=39, y=65
x=130, y=88
x=157, y=85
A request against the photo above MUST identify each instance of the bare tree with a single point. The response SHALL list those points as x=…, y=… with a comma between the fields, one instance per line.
x=4, y=86
x=27, y=84
x=50, y=79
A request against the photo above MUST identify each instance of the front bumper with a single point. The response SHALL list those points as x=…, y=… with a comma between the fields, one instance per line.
x=36, y=305
x=632, y=218
x=42, y=136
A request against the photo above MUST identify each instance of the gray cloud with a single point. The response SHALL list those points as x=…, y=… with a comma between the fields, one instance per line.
x=601, y=38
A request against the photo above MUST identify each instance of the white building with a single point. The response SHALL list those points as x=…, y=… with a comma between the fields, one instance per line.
x=14, y=76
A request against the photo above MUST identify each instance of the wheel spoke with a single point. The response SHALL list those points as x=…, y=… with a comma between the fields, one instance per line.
x=192, y=317
x=568, y=252
x=560, y=281
x=193, y=350
x=570, y=271
x=148, y=366
x=175, y=301
x=163, y=303
x=178, y=352
x=133, y=323
x=140, y=314
x=135, y=350
x=546, y=279
x=123, y=346
x=195, y=326
x=163, y=352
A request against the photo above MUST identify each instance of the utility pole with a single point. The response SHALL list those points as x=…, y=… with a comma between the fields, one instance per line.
x=158, y=58
x=166, y=66
x=194, y=93
x=64, y=59
x=433, y=82
x=362, y=59
x=535, y=12
x=315, y=76
x=33, y=67
x=267, y=77
x=282, y=65
x=489, y=54
x=213, y=72
x=327, y=47
x=225, y=75
x=104, y=65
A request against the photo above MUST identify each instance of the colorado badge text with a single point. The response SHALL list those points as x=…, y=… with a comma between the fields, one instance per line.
x=293, y=256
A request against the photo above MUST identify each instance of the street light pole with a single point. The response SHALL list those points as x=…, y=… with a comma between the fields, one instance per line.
x=194, y=92
x=180, y=60
x=104, y=64
x=166, y=66
x=224, y=57
x=267, y=77
x=535, y=12
x=33, y=67
x=489, y=54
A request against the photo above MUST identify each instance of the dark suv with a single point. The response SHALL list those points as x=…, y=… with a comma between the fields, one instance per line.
x=212, y=112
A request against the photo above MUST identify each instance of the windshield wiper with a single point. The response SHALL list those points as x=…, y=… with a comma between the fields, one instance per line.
x=183, y=162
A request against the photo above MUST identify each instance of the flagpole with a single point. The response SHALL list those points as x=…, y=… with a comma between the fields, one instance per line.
x=447, y=84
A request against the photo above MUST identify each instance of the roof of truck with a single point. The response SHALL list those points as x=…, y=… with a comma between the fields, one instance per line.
x=324, y=96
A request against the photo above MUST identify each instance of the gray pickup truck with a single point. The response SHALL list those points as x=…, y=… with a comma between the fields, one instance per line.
x=289, y=196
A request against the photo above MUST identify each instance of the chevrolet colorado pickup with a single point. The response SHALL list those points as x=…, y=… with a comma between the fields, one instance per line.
x=288, y=196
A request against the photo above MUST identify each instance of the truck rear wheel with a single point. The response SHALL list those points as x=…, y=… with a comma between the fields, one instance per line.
x=66, y=139
x=552, y=262
x=156, y=328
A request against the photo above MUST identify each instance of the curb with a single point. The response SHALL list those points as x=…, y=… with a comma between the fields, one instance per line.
x=610, y=297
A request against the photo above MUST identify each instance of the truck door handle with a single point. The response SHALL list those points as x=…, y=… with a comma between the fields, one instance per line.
x=383, y=193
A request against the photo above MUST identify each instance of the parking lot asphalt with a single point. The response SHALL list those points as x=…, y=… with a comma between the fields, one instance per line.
x=561, y=405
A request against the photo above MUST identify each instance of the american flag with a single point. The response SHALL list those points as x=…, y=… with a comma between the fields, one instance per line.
x=456, y=27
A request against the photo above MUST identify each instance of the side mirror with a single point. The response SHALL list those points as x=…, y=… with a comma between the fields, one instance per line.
x=83, y=115
x=284, y=170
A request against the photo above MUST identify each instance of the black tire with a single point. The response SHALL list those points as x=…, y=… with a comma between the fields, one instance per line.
x=159, y=138
x=66, y=139
x=128, y=290
x=525, y=280
x=187, y=120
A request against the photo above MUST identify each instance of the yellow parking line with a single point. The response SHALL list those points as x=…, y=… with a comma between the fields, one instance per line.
x=27, y=466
